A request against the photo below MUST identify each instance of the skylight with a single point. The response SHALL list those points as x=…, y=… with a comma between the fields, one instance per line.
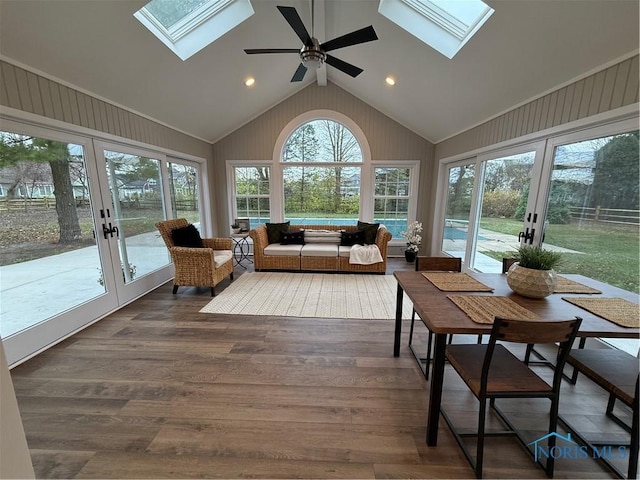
x=187, y=26
x=445, y=25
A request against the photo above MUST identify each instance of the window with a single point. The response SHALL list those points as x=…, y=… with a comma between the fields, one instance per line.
x=322, y=173
x=391, y=198
x=252, y=190
x=185, y=195
x=442, y=24
x=458, y=209
x=319, y=185
x=187, y=26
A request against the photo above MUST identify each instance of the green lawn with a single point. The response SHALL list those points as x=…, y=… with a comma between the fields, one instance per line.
x=608, y=252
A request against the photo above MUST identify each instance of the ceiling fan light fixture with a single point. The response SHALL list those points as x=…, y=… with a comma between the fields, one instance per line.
x=312, y=56
x=312, y=59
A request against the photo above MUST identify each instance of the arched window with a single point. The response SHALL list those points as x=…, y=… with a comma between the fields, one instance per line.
x=322, y=173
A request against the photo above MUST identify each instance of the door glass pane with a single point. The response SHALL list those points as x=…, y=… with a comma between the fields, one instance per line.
x=391, y=198
x=505, y=192
x=252, y=194
x=137, y=201
x=185, y=199
x=458, y=210
x=49, y=260
x=592, y=209
x=325, y=195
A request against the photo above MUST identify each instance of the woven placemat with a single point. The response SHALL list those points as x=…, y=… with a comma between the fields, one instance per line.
x=564, y=285
x=456, y=282
x=484, y=308
x=617, y=310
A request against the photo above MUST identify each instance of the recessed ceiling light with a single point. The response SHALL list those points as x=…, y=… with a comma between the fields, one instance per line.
x=249, y=81
x=390, y=81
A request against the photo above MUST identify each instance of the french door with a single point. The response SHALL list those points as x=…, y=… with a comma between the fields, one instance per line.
x=77, y=224
x=575, y=193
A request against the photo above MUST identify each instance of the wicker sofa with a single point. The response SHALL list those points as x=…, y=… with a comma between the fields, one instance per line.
x=277, y=258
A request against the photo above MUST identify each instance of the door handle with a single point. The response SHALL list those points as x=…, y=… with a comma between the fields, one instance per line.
x=110, y=230
x=527, y=235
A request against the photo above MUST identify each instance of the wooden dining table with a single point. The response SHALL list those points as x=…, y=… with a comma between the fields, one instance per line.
x=442, y=317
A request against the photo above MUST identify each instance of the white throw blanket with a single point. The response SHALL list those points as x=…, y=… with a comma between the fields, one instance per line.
x=365, y=254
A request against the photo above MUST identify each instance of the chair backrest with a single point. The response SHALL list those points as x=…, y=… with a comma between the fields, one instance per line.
x=506, y=263
x=534, y=332
x=439, y=264
x=168, y=225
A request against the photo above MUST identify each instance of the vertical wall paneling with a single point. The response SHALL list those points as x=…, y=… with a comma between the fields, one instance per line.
x=574, y=108
x=66, y=104
x=566, y=106
x=596, y=94
x=23, y=90
x=631, y=92
x=36, y=98
x=559, y=104
x=611, y=88
x=622, y=78
x=47, y=104
x=27, y=91
x=607, y=89
x=9, y=78
x=54, y=89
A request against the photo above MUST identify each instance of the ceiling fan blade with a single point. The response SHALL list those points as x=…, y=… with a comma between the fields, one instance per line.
x=252, y=51
x=291, y=15
x=299, y=75
x=366, y=34
x=344, y=66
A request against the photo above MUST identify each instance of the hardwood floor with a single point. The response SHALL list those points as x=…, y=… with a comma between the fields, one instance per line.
x=158, y=390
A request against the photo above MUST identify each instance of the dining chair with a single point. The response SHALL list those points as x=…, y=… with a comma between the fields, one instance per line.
x=491, y=372
x=434, y=264
x=197, y=267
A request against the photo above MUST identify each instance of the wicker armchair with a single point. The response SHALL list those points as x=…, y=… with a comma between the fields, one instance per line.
x=198, y=267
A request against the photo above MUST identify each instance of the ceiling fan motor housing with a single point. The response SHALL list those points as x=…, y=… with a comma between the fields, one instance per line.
x=312, y=56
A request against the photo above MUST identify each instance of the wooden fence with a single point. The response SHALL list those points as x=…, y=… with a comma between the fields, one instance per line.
x=606, y=215
x=46, y=203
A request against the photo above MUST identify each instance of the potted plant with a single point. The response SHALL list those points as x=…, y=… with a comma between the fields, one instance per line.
x=235, y=228
x=533, y=274
x=413, y=240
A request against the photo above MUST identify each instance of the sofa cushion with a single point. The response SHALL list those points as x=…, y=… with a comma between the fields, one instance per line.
x=220, y=257
x=348, y=239
x=322, y=236
x=292, y=238
x=319, y=250
x=370, y=231
x=187, y=237
x=274, y=229
x=344, y=251
x=277, y=249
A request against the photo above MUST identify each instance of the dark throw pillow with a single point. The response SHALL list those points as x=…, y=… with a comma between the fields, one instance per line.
x=187, y=237
x=292, y=238
x=370, y=231
x=274, y=229
x=353, y=238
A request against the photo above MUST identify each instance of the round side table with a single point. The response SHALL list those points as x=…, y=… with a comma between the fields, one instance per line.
x=241, y=248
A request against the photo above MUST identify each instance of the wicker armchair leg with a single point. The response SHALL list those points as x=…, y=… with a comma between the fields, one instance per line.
x=231, y=276
x=175, y=289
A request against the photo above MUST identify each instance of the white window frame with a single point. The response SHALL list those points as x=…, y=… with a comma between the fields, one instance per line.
x=598, y=125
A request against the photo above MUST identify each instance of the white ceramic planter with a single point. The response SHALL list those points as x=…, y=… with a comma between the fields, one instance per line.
x=531, y=283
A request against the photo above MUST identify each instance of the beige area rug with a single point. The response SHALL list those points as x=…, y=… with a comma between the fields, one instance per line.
x=310, y=295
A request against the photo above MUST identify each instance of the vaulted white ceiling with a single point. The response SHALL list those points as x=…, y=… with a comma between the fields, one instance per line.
x=525, y=49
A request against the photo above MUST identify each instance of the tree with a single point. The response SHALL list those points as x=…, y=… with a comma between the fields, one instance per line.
x=16, y=150
x=616, y=177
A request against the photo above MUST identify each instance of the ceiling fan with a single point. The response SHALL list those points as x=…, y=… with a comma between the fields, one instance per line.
x=313, y=54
